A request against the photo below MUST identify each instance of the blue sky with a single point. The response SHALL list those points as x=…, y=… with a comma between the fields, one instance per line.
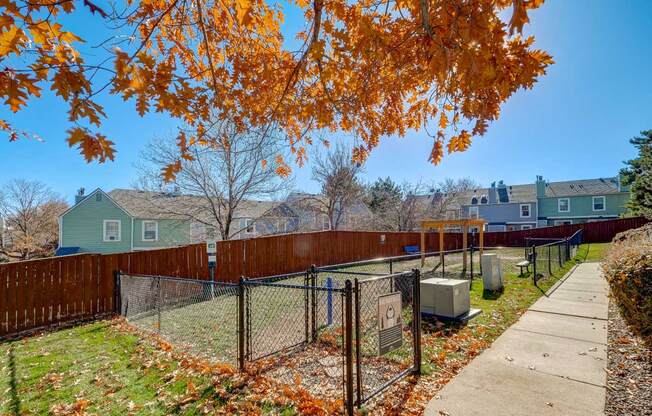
x=575, y=123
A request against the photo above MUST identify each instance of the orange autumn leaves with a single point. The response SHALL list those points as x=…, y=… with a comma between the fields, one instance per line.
x=364, y=69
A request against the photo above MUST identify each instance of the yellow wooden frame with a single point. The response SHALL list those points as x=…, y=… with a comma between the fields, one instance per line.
x=440, y=225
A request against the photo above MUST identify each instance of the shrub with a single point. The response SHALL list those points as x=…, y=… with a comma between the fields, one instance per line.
x=628, y=269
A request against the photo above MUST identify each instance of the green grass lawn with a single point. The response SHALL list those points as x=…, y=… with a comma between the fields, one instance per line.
x=102, y=368
x=593, y=252
x=96, y=368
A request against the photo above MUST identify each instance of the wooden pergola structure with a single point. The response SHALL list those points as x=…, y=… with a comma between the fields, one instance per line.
x=441, y=225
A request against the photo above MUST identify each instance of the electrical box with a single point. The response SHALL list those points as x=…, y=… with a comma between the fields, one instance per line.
x=492, y=273
x=448, y=298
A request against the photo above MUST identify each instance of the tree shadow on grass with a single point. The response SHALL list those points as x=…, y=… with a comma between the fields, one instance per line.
x=13, y=386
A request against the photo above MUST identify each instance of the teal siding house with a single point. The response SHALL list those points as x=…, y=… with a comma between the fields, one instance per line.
x=580, y=201
x=103, y=222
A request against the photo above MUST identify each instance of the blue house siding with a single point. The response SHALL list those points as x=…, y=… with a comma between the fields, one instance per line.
x=504, y=215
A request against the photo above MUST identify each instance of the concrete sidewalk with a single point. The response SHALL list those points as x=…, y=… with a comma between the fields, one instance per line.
x=551, y=362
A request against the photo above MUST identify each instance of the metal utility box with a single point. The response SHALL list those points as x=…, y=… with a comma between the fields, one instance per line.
x=492, y=273
x=448, y=298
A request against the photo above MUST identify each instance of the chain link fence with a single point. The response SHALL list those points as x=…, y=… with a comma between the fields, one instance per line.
x=198, y=316
x=326, y=325
x=548, y=259
x=333, y=315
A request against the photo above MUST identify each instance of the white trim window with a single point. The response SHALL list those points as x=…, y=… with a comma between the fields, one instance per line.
x=150, y=230
x=112, y=231
x=325, y=222
x=563, y=205
x=526, y=227
x=599, y=203
x=563, y=222
x=525, y=210
x=474, y=212
x=247, y=227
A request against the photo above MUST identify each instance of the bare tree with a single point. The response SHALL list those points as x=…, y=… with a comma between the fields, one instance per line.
x=396, y=207
x=447, y=195
x=220, y=179
x=29, y=211
x=341, y=189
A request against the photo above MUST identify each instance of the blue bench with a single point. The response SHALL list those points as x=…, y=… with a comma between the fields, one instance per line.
x=412, y=249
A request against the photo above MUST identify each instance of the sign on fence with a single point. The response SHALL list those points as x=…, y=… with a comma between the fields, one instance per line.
x=390, y=335
x=211, y=251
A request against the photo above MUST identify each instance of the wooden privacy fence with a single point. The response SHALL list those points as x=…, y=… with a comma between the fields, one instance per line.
x=272, y=255
x=53, y=291
x=49, y=291
x=594, y=232
x=59, y=290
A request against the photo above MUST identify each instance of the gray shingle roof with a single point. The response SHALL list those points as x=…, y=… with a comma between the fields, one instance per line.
x=515, y=193
x=528, y=192
x=158, y=205
x=598, y=186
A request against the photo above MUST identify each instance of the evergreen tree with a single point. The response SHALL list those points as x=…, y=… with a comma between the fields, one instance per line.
x=382, y=194
x=638, y=174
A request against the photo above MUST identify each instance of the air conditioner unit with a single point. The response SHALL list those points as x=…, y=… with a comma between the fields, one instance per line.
x=492, y=273
x=448, y=298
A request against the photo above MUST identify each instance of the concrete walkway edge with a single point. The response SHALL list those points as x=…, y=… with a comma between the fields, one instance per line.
x=550, y=362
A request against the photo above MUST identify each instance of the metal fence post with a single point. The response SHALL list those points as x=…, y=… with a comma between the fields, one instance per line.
x=348, y=346
x=306, y=301
x=241, y=324
x=117, y=293
x=471, y=248
x=329, y=301
x=358, y=361
x=559, y=255
x=158, y=302
x=568, y=250
x=549, y=263
x=443, y=265
x=313, y=301
x=534, y=265
x=416, y=319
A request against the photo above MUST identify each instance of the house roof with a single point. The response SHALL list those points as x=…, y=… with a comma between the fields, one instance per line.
x=86, y=197
x=161, y=205
x=66, y=251
x=599, y=186
x=528, y=192
x=308, y=201
x=522, y=193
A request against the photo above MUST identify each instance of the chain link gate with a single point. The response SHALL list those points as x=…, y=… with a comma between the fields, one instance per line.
x=387, y=348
